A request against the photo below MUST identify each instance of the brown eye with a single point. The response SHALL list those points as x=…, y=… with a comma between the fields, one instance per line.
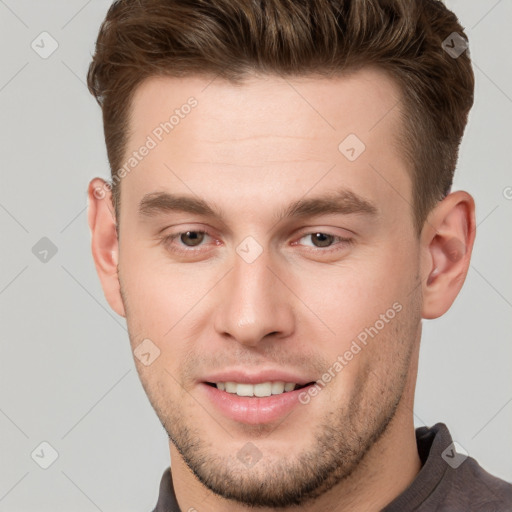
x=320, y=242
x=194, y=237
x=321, y=239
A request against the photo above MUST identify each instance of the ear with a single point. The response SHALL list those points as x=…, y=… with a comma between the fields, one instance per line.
x=447, y=242
x=105, y=249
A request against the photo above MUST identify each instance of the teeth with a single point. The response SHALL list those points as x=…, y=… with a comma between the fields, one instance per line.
x=259, y=390
x=263, y=389
x=277, y=388
x=230, y=387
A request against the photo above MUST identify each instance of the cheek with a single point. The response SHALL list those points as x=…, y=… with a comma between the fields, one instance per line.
x=356, y=312
x=348, y=297
x=154, y=287
x=165, y=301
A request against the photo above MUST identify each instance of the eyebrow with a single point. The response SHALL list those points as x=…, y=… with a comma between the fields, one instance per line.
x=343, y=201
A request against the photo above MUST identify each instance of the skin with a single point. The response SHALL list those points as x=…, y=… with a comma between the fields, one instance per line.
x=251, y=150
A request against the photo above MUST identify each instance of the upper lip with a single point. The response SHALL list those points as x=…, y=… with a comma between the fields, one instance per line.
x=244, y=377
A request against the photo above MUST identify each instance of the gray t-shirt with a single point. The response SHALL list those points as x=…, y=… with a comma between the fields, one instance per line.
x=447, y=482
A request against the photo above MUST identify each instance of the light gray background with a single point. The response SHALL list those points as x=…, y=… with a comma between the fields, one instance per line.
x=67, y=373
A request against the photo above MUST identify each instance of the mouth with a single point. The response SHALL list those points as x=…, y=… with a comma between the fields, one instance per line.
x=255, y=403
x=259, y=390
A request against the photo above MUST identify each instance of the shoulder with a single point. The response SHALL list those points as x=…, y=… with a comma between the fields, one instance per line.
x=476, y=489
x=463, y=483
x=450, y=481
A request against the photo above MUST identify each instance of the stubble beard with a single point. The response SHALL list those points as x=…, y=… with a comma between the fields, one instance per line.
x=343, y=437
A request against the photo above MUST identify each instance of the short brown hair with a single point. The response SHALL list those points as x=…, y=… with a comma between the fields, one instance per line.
x=232, y=38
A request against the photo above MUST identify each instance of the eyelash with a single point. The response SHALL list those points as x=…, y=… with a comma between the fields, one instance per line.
x=167, y=240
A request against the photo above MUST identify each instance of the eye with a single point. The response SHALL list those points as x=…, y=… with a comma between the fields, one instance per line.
x=320, y=239
x=195, y=237
x=191, y=242
x=325, y=240
x=184, y=241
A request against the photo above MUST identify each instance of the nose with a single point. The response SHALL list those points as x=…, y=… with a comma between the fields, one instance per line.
x=254, y=302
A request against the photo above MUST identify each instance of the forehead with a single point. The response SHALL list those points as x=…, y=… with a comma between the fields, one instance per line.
x=262, y=103
x=269, y=134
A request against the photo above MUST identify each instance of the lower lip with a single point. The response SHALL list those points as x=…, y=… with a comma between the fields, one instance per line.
x=254, y=410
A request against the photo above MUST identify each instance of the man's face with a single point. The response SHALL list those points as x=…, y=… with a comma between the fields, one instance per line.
x=253, y=296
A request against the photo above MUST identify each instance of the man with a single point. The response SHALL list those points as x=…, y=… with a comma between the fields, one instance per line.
x=279, y=222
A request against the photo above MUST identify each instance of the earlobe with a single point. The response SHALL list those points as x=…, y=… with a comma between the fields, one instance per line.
x=104, y=241
x=447, y=243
